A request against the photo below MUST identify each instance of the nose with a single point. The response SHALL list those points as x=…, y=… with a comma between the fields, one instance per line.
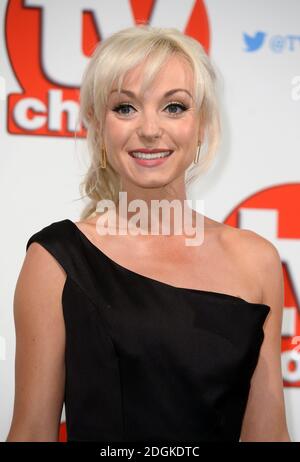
x=149, y=126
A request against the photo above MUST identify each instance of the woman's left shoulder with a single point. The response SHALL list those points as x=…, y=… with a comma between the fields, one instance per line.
x=249, y=244
x=261, y=257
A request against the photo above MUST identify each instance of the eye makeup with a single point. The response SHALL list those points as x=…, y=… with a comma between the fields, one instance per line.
x=176, y=104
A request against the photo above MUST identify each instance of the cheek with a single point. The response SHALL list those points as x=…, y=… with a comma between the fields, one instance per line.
x=186, y=132
x=116, y=131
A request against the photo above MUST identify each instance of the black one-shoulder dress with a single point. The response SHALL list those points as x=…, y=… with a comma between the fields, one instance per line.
x=147, y=361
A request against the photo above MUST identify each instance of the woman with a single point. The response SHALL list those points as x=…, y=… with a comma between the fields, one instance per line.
x=143, y=337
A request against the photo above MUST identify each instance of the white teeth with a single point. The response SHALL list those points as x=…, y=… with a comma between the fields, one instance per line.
x=157, y=155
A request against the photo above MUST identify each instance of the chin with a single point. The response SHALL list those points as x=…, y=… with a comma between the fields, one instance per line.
x=150, y=181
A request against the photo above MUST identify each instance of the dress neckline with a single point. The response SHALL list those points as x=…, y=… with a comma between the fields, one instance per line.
x=161, y=283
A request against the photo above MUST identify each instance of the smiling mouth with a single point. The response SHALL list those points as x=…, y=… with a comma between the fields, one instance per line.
x=150, y=155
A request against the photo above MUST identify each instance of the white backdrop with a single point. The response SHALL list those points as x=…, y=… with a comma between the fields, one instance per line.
x=256, y=48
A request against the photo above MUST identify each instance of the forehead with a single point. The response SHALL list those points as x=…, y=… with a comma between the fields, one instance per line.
x=176, y=72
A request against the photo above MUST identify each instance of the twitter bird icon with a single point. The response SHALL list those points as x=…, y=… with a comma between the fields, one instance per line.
x=254, y=42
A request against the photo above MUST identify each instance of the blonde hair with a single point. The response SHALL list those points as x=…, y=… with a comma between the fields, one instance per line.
x=109, y=63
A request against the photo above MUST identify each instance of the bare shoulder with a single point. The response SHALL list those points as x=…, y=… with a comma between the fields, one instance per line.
x=40, y=281
x=265, y=418
x=39, y=263
x=39, y=286
x=250, y=245
x=40, y=348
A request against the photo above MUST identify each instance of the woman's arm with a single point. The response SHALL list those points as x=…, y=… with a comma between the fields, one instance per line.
x=265, y=419
x=40, y=348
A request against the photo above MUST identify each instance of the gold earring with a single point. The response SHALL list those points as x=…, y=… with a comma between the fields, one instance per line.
x=103, y=158
x=197, y=154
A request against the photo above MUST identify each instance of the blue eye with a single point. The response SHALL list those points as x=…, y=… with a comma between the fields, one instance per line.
x=126, y=106
x=122, y=106
x=177, y=105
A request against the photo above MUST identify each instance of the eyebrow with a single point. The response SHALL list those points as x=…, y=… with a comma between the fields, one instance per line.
x=168, y=93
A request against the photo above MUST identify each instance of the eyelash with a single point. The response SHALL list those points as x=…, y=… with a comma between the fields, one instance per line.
x=182, y=106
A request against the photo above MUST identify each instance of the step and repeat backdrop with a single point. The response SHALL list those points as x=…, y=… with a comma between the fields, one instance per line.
x=254, y=182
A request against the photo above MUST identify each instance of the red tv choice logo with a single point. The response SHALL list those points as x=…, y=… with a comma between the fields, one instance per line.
x=48, y=56
x=273, y=214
